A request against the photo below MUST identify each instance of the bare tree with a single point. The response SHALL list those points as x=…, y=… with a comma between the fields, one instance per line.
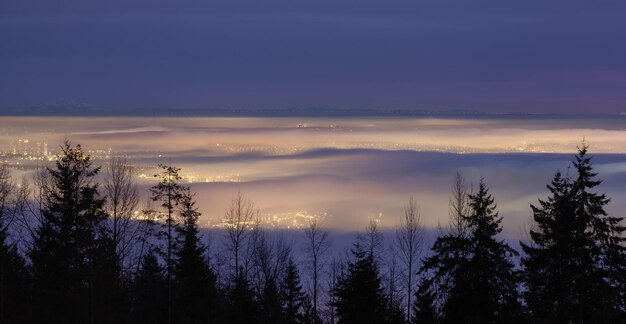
x=409, y=240
x=7, y=188
x=336, y=271
x=120, y=189
x=24, y=212
x=459, y=206
x=392, y=277
x=7, y=203
x=239, y=216
x=317, y=244
x=20, y=205
x=271, y=256
x=145, y=231
x=373, y=239
x=43, y=187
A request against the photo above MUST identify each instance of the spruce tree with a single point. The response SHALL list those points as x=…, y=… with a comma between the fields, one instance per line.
x=292, y=296
x=244, y=306
x=394, y=313
x=424, y=311
x=574, y=267
x=271, y=305
x=14, y=282
x=359, y=294
x=192, y=273
x=168, y=192
x=67, y=251
x=13, y=271
x=473, y=276
x=151, y=287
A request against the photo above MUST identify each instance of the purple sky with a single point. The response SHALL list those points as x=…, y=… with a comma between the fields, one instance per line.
x=494, y=56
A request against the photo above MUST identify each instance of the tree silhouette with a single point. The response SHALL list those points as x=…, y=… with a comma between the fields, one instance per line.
x=271, y=257
x=70, y=245
x=292, y=296
x=317, y=244
x=191, y=271
x=359, y=295
x=151, y=282
x=239, y=215
x=574, y=267
x=424, y=308
x=409, y=240
x=472, y=277
x=122, y=196
x=13, y=271
x=459, y=207
x=244, y=307
x=168, y=191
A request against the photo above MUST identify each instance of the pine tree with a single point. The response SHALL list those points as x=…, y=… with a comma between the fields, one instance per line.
x=292, y=296
x=68, y=244
x=244, y=307
x=271, y=305
x=549, y=264
x=394, y=313
x=472, y=277
x=13, y=283
x=192, y=273
x=168, y=192
x=13, y=272
x=359, y=294
x=151, y=284
x=424, y=311
x=574, y=268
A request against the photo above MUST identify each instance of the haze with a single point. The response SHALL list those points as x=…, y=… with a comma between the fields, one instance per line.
x=345, y=170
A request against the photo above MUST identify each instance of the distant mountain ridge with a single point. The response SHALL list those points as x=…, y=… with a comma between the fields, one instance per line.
x=76, y=109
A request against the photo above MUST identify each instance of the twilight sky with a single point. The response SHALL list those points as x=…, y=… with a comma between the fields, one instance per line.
x=495, y=56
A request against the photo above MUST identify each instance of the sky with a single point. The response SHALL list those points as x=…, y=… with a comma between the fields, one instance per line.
x=559, y=56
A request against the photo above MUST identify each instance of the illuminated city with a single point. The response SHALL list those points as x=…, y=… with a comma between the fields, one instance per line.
x=312, y=162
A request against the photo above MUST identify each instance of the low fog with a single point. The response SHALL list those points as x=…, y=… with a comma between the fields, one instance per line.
x=350, y=170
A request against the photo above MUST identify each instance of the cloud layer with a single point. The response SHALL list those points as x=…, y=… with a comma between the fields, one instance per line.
x=351, y=169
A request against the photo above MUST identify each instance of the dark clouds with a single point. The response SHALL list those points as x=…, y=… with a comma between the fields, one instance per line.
x=535, y=56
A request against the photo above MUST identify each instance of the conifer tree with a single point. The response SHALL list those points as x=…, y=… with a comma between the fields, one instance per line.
x=424, y=311
x=70, y=243
x=292, y=296
x=359, y=294
x=151, y=283
x=394, y=313
x=244, y=306
x=472, y=277
x=13, y=272
x=271, y=305
x=192, y=273
x=168, y=191
x=14, y=281
x=574, y=267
